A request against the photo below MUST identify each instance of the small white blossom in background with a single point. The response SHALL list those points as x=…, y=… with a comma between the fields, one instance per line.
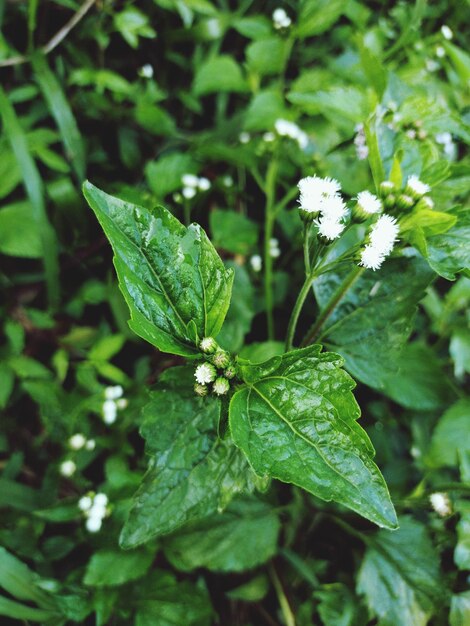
x=244, y=137
x=221, y=386
x=432, y=65
x=440, y=502
x=281, y=19
x=269, y=137
x=382, y=237
x=67, y=468
x=256, y=263
x=113, y=402
x=227, y=181
x=368, y=203
x=95, y=509
x=446, y=32
x=320, y=196
x=77, y=441
x=90, y=444
x=205, y=373
x=362, y=151
x=204, y=184
x=285, y=128
x=146, y=71
x=192, y=184
x=415, y=187
x=274, y=250
x=440, y=52
x=189, y=192
x=446, y=141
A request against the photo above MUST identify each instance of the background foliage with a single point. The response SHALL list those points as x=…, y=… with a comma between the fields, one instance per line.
x=135, y=96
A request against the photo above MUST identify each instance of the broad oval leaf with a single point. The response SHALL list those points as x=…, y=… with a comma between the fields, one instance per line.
x=296, y=421
x=173, y=280
x=192, y=472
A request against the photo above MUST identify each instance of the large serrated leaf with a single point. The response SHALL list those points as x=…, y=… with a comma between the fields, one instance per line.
x=296, y=421
x=372, y=320
x=192, y=472
x=173, y=280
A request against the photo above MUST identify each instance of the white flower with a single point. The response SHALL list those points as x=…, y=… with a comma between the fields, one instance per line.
x=101, y=499
x=190, y=180
x=77, y=441
x=371, y=258
x=113, y=393
x=256, y=263
x=204, y=184
x=329, y=228
x=244, y=137
x=122, y=403
x=285, y=128
x=146, y=71
x=68, y=468
x=333, y=208
x=269, y=137
x=446, y=32
x=281, y=19
x=208, y=345
x=85, y=502
x=444, y=138
x=440, y=52
x=228, y=181
x=383, y=234
x=314, y=191
x=362, y=152
x=188, y=192
x=93, y=524
x=368, y=202
x=274, y=250
x=416, y=187
x=109, y=412
x=90, y=444
x=441, y=504
x=205, y=373
x=221, y=386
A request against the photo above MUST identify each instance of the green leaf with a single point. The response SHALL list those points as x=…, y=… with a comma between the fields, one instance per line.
x=240, y=313
x=317, y=16
x=111, y=567
x=296, y=421
x=18, y=611
x=460, y=609
x=19, y=234
x=450, y=435
x=242, y=537
x=165, y=175
x=264, y=109
x=217, y=75
x=192, y=473
x=233, y=231
x=166, y=602
x=373, y=319
x=174, y=283
x=62, y=113
x=254, y=27
x=337, y=606
x=449, y=253
x=373, y=69
x=462, y=549
x=400, y=587
x=267, y=56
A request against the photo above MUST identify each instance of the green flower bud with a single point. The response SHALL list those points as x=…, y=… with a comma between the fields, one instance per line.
x=405, y=202
x=230, y=372
x=390, y=201
x=425, y=203
x=200, y=390
x=221, y=386
x=386, y=188
x=221, y=359
x=208, y=345
x=307, y=216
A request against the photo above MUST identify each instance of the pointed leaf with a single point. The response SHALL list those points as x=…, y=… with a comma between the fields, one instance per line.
x=173, y=280
x=296, y=421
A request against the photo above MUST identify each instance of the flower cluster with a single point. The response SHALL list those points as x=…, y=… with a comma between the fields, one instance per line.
x=281, y=19
x=215, y=373
x=285, y=128
x=320, y=197
x=113, y=402
x=382, y=237
x=79, y=441
x=192, y=184
x=274, y=250
x=95, y=509
x=256, y=263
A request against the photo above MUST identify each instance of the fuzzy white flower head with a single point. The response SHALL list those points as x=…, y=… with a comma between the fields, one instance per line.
x=329, y=228
x=205, y=373
x=315, y=190
x=85, y=502
x=113, y=393
x=274, y=250
x=286, y=128
x=208, y=344
x=101, y=499
x=93, y=524
x=109, y=412
x=440, y=52
x=446, y=32
x=281, y=19
x=190, y=180
x=440, y=503
x=204, y=184
x=256, y=263
x=369, y=203
x=188, y=193
x=221, y=386
x=67, y=468
x=77, y=441
x=371, y=258
x=416, y=186
x=146, y=71
x=333, y=208
x=383, y=234
x=90, y=444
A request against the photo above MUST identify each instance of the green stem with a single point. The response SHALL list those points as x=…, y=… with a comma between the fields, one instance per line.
x=269, y=220
x=307, y=226
x=337, y=296
x=294, y=318
x=289, y=618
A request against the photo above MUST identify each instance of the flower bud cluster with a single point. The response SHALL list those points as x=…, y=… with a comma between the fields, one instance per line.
x=95, y=509
x=412, y=196
x=215, y=373
x=112, y=403
x=320, y=198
